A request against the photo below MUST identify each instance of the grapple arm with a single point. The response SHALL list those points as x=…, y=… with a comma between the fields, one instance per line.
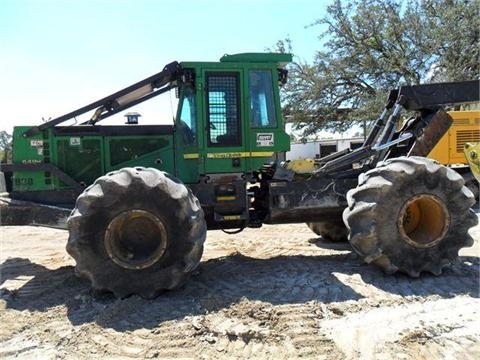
x=433, y=96
x=428, y=100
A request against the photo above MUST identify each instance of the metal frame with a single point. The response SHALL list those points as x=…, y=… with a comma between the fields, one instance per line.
x=113, y=130
x=426, y=99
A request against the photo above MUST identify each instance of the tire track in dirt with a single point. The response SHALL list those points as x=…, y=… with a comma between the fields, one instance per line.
x=264, y=293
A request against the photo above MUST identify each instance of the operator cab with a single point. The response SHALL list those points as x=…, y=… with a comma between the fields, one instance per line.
x=229, y=116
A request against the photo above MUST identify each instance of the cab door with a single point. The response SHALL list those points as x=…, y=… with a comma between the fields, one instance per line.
x=268, y=139
x=186, y=135
x=224, y=135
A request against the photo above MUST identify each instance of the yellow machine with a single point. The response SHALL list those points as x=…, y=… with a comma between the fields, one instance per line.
x=472, y=153
x=301, y=166
x=449, y=150
x=465, y=129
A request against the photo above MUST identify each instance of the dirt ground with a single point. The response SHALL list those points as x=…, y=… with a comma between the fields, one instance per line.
x=278, y=292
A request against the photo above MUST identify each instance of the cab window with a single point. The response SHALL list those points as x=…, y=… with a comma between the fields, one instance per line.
x=188, y=121
x=262, y=105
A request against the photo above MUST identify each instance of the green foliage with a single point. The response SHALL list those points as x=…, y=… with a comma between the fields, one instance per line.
x=5, y=146
x=371, y=46
x=5, y=139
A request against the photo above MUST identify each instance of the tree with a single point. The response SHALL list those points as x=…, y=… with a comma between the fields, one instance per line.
x=5, y=145
x=372, y=46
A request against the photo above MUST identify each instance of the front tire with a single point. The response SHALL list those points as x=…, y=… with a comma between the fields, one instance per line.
x=410, y=215
x=136, y=231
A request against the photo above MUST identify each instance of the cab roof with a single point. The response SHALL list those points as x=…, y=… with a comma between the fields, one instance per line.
x=278, y=58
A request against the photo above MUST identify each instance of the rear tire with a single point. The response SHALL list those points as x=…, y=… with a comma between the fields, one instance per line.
x=136, y=231
x=333, y=230
x=410, y=215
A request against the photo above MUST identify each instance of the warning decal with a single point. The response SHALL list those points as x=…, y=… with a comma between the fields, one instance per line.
x=265, y=139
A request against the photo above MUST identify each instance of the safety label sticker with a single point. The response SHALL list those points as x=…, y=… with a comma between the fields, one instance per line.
x=75, y=141
x=265, y=139
x=36, y=143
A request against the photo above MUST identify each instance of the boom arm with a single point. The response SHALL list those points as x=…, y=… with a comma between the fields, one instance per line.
x=123, y=99
x=430, y=96
x=424, y=98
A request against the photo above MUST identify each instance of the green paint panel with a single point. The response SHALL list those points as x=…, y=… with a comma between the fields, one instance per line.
x=82, y=159
x=149, y=151
x=30, y=150
x=127, y=149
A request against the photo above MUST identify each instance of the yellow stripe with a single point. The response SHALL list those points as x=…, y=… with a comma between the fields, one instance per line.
x=226, y=198
x=229, y=155
x=190, y=156
x=231, y=217
x=261, y=153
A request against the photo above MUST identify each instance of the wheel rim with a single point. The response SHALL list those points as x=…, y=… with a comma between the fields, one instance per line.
x=135, y=239
x=423, y=221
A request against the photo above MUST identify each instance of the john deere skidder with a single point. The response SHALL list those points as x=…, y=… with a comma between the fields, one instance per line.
x=143, y=196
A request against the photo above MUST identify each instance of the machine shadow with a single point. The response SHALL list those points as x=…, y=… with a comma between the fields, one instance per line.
x=220, y=283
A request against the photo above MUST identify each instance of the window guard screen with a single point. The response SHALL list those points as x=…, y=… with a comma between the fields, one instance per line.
x=223, y=117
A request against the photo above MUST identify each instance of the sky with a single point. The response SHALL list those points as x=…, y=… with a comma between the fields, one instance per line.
x=58, y=55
